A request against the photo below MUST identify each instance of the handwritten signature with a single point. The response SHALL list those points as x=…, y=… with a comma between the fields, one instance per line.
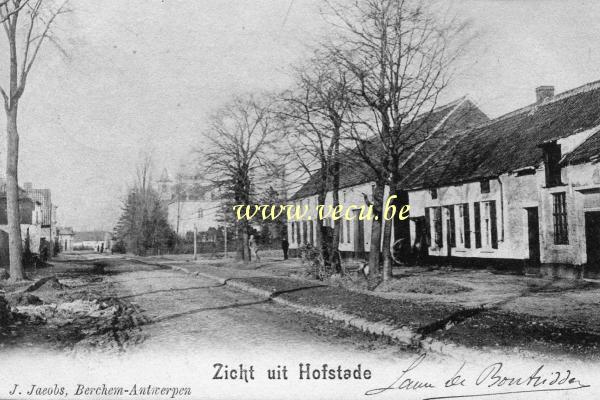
x=493, y=377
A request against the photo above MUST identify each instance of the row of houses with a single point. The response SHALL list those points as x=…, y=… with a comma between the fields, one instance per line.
x=37, y=219
x=521, y=190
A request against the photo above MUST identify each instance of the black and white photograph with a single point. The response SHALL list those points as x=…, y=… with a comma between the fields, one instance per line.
x=300, y=199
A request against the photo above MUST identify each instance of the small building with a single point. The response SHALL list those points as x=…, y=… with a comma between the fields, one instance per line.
x=31, y=224
x=66, y=237
x=191, y=204
x=45, y=215
x=92, y=240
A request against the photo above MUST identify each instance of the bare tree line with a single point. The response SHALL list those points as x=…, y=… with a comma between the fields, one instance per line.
x=366, y=94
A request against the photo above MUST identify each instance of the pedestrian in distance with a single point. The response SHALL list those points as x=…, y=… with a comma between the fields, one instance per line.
x=253, y=248
x=285, y=246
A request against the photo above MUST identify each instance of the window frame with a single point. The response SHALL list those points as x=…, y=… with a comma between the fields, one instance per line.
x=560, y=218
x=484, y=186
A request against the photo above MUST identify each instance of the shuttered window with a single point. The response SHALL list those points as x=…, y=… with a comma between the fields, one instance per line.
x=304, y=232
x=493, y=225
x=437, y=220
x=428, y=225
x=293, y=232
x=452, y=226
x=298, y=233
x=477, y=209
x=467, y=225
x=561, y=232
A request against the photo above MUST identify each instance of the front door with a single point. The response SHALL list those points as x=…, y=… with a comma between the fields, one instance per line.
x=533, y=226
x=592, y=239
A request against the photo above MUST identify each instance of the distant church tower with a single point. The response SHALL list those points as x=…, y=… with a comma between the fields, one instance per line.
x=165, y=186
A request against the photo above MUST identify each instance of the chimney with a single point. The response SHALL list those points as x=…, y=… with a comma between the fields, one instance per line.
x=543, y=93
x=27, y=186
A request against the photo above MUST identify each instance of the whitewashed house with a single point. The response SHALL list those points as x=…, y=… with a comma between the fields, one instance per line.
x=522, y=190
x=356, y=179
x=191, y=204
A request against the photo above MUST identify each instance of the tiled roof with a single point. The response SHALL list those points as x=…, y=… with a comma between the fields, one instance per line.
x=453, y=117
x=511, y=142
x=588, y=150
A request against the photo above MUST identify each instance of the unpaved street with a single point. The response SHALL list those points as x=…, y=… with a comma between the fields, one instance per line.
x=184, y=314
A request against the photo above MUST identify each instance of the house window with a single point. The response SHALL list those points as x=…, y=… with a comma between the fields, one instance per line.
x=451, y=225
x=485, y=186
x=461, y=225
x=561, y=234
x=552, y=156
x=489, y=226
x=433, y=193
x=200, y=213
x=347, y=231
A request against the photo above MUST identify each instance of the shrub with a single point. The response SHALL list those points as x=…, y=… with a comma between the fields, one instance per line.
x=119, y=247
x=313, y=262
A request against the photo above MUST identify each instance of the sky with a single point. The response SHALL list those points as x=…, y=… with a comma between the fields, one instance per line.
x=144, y=75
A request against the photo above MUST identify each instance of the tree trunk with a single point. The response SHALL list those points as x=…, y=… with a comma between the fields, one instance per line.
x=245, y=246
x=375, y=233
x=15, y=245
x=334, y=258
x=321, y=242
x=387, y=242
x=386, y=250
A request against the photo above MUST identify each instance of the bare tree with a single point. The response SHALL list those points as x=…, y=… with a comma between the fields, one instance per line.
x=400, y=53
x=315, y=111
x=27, y=25
x=236, y=153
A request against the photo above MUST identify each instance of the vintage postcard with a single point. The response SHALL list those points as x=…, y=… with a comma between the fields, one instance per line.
x=300, y=199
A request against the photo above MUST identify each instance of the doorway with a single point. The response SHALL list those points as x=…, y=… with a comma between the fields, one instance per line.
x=592, y=240
x=533, y=229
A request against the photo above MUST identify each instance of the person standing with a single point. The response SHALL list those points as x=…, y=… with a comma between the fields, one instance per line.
x=285, y=247
x=253, y=248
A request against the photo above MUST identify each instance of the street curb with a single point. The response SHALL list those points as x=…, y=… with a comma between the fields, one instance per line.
x=403, y=335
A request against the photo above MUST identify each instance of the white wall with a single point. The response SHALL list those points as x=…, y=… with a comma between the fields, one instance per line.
x=511, y=195
x=347, y=197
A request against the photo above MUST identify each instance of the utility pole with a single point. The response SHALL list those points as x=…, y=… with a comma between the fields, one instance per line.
x=195, y=242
